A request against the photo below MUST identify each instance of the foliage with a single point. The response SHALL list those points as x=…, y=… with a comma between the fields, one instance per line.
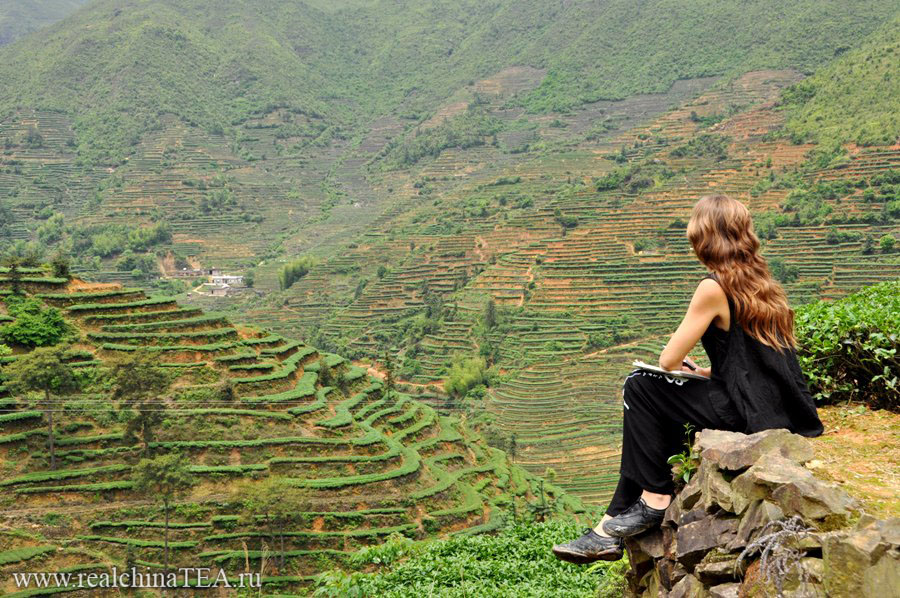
x=634, y=177
x=848, y=348
x=701, y=146
x=277, y=503
x=465, y=130
x=184, y=63
x=515, y=562
x=44, y=371
x=139, y=385
x=163, y=478
x=466, y=373
x=852, y=99
x=294, y=271
x=782, y=271
x=685, y=463
x=36, y=325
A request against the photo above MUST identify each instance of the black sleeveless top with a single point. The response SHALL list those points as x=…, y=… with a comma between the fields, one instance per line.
x=753, y=386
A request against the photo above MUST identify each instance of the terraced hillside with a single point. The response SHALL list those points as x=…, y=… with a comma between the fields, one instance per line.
x=620, y=269
x=367, y=461
x=499, y=185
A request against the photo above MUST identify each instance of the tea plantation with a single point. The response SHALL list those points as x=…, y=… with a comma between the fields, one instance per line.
x=260, y=420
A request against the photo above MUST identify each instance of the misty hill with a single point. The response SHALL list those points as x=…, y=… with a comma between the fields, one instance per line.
x=121, y=64
x=21, y=17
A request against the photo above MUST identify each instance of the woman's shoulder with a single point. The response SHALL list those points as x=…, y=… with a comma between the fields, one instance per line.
x=709, y=288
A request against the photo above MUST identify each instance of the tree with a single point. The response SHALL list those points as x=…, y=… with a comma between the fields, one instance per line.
x=60, y=265
x=887, y=243
x=868, y=245
x=490, y=314
x=6, y=218
x=294, y=271
x=465, y=373
x=783, y=272
x=13, y=264
x=44, y=371
x=249, y=278
x=388, y=376
x=163, y=478
x=35, y=325
x=278, y=503
x=139, y=386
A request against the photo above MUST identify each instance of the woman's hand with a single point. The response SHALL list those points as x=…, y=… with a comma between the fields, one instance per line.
x=689, y=365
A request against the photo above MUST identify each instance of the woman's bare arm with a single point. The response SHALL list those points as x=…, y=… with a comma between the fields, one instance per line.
x=708, y=302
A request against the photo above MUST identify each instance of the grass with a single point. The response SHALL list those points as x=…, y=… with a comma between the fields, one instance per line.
x=859, y=452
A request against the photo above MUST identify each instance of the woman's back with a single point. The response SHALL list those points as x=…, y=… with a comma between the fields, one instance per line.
x=756, y=387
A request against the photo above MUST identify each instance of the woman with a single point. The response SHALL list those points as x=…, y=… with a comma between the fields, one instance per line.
x=741, y=316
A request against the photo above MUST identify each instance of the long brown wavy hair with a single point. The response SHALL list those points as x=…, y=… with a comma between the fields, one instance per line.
x=721, y=232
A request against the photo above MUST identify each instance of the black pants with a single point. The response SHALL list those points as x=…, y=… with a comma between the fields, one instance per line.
x=656, y=409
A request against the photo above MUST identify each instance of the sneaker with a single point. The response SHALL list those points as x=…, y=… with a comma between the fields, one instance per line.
x=589, y=548
x=637, y=519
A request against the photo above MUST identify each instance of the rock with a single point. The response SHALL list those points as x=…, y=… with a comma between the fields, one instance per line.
x=849, y=555
x=670, y=572
x=802, y=580
x=649, y=543
x=735, y=451
x=688, y=587
x=715, y=491
x=760, y=514
x=793, y=488
x=693, y=515
x=690, y=494
x=725, y=590
x=695, y=539
x=717, y=568
x=882, y=578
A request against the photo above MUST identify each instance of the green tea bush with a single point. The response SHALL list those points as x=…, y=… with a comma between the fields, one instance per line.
x=515, y=562
x=848, y=348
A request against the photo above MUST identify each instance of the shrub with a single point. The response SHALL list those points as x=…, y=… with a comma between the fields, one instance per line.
x=294, y=271
x=35, y=324
x=466, y=373
x=848, y=348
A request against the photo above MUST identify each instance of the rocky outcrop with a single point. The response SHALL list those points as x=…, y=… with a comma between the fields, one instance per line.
x=754, y=522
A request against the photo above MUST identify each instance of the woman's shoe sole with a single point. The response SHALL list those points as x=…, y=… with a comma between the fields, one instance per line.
x=582, y=559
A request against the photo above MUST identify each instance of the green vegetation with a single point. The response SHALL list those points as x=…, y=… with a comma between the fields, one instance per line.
x=24, y=16
x=432, y=59
x=163, y=478
x=46, y=373
x=294, y=271
x=705, y=145
x=471, y=128
x=237, y=461
x=35, y=324
x=514, y=562
x=849, y=348
x=465, y=374
x=139, y=385
x=852, y=99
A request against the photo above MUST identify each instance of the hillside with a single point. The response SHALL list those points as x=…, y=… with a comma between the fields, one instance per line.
x=218, y=68
x=463, y=190
x=246, y=408
x=21, y=17
x=577, y=302
x=852, y=99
